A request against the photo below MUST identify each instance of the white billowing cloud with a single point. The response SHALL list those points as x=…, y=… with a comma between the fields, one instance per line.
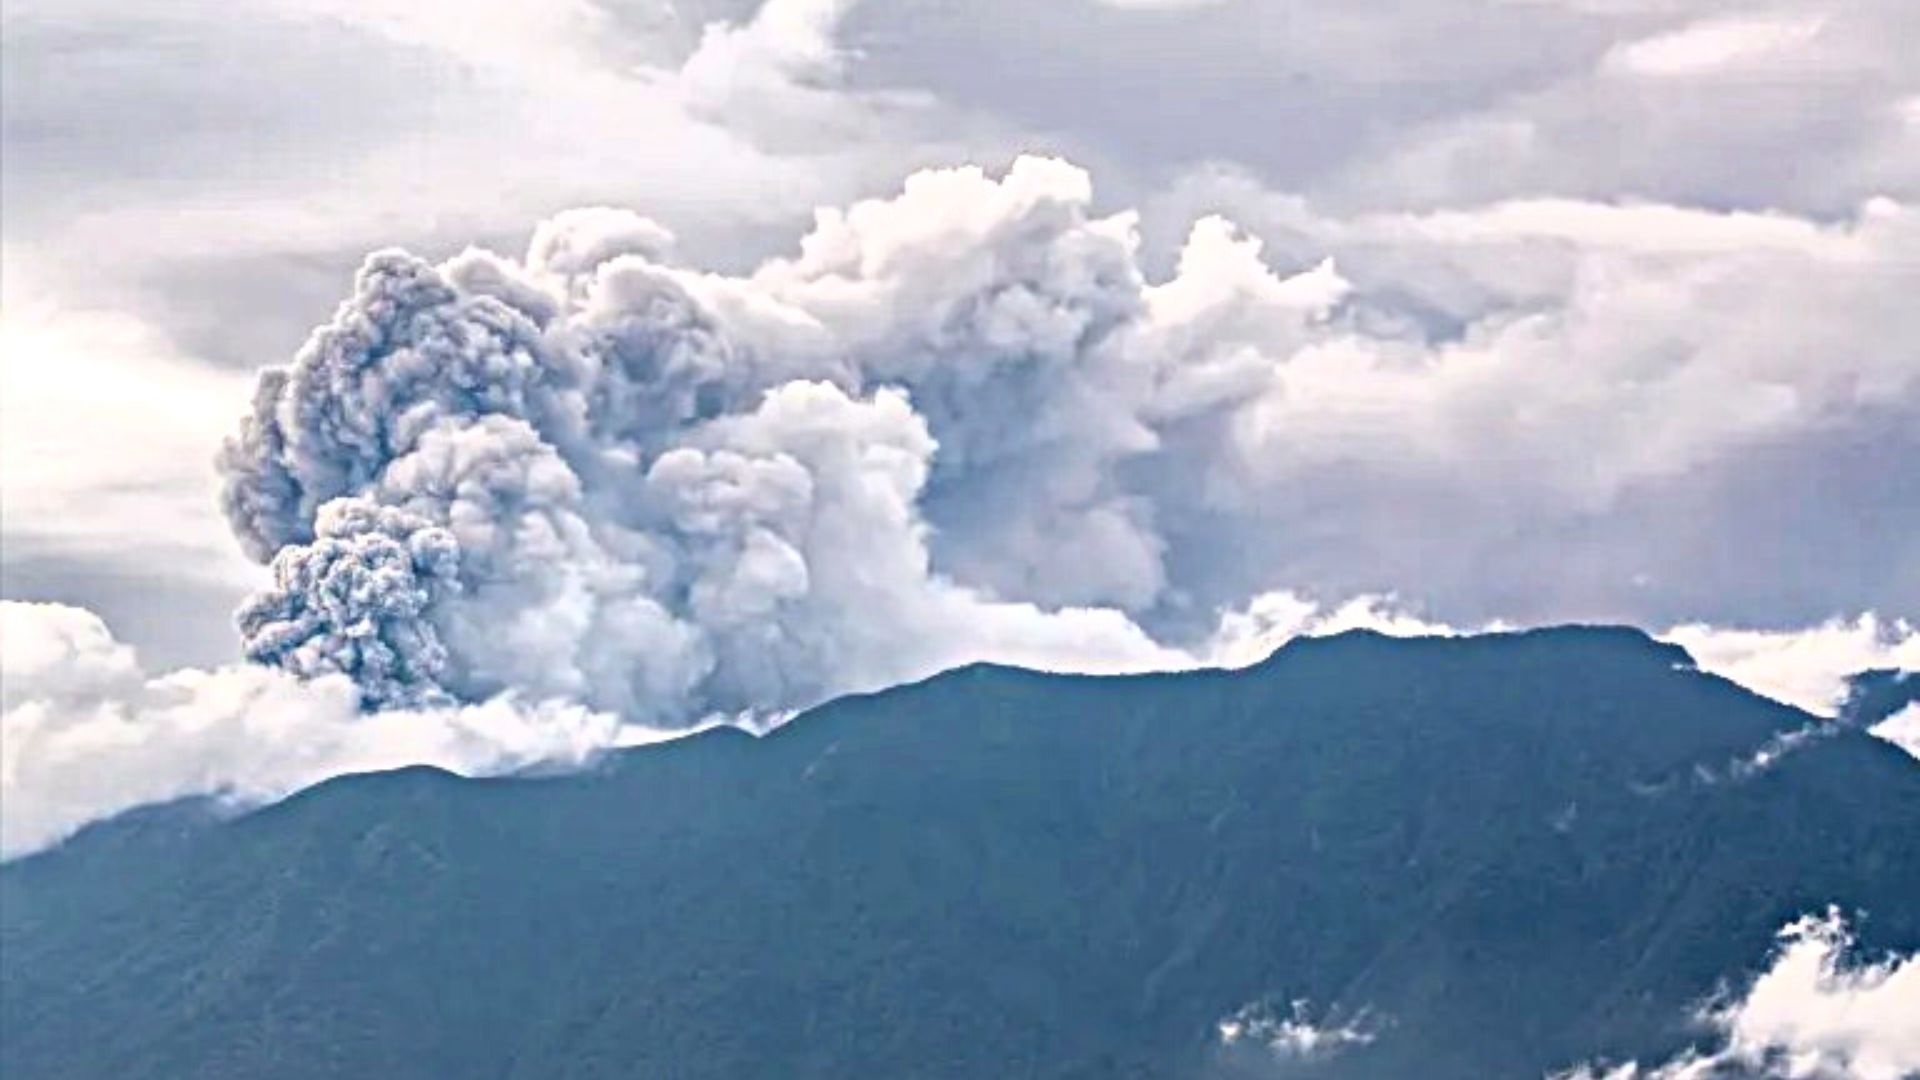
x=779, y=81
x=1806, y=668
x=1831, y=1016
x=1601, y=400
x=1251, y=634
x=1714, y=45
x=789, y=41
x=1789, y=104
x=86, y=732
x=1814, y=1014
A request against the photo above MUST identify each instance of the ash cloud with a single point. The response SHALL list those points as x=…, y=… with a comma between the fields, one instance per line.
x=963, y=421
x=596, y=475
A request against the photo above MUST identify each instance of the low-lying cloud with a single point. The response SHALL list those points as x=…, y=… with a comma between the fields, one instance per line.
x=87, y=733
x=1808, y=668
x=1816, y=1013
x=1294, y=1036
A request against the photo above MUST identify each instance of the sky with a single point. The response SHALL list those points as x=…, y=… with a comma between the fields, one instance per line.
x=722, y=356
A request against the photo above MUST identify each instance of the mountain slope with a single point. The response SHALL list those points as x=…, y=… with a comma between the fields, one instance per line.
x=1510, y=853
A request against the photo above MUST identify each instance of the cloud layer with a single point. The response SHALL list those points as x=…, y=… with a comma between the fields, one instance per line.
x=87, y=730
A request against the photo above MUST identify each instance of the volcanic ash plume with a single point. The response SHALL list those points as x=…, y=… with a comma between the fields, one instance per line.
x=961, y=423
x=594, y=475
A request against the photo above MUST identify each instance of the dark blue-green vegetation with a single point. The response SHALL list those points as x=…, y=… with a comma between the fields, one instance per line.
x=1512, y=853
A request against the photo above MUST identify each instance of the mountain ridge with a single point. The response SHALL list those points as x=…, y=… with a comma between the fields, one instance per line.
x=1003, y=872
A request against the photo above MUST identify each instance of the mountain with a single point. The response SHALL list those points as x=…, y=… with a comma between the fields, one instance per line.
x=1492, y=856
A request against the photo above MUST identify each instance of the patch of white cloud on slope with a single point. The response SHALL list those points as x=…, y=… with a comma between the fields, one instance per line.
x=86, y=732
x=1295, y=1037
x=1813, y=1014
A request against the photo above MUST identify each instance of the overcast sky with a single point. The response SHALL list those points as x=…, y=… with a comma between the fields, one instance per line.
x=1730, y=187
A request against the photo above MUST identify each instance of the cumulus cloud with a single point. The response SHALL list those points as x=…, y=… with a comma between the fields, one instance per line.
x=1816, y=1013
x=1562, y=408
x=87, y=732
x=786, y=42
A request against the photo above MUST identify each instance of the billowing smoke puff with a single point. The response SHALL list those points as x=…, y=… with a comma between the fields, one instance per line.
x=591, y=474
x=353, y=602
